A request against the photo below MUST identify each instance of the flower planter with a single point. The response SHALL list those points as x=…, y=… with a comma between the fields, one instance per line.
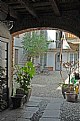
x=67, y=88
x=28, y=94
x=71, y=96
x=21, y=91
x=18, y=100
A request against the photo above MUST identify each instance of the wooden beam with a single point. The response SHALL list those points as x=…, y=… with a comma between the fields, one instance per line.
x=41, y=4
x=5, y=9
x=13, y=13
x=55, y=7
x=28, y=7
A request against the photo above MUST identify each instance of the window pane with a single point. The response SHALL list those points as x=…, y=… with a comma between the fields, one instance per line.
x=16, y=56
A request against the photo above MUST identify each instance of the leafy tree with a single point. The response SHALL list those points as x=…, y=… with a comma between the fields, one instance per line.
x=34, y=43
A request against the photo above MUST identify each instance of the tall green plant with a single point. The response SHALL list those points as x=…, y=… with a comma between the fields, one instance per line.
x=24, y=75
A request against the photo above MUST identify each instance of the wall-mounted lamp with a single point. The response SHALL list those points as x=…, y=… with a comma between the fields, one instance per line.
x=9, y=20
x=9, y=24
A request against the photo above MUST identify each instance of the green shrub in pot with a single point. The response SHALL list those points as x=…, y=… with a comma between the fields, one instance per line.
x=24, y=75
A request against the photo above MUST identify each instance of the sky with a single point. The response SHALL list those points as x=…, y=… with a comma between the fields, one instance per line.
x=51, y=34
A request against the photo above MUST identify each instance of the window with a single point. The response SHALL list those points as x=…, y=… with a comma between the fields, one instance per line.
x=71, y=57
x=24, y=51
x=58, y=44
x=58, y=57
x=16, y=56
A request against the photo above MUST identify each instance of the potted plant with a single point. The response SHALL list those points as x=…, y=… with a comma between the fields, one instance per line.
x=65, y=88
x=68, y=90
x=23, y=78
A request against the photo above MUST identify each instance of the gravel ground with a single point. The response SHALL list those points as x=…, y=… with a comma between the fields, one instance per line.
x=46, y=85
x=70, y=111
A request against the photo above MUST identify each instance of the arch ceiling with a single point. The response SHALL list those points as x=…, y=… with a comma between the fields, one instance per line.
x=63, y=14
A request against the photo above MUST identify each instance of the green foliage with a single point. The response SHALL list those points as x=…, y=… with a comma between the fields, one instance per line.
x=24, y=75
x=35, y=44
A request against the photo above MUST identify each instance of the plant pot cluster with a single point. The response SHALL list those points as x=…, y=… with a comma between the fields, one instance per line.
x=71, y=96
x=23, y=78
x=69, y=93
x=20, y=98
x=65, y=88
x=17, y=101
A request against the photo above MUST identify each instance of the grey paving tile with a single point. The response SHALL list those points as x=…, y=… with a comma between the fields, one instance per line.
x=49, y=119
x=57, y=100
x=22, y=119
x=9, y=119
x=53, y=106
x=34, y=109
x=35, y=99
x=2, y=119
x=27, y=114
x=32, y=104
x=51, y=114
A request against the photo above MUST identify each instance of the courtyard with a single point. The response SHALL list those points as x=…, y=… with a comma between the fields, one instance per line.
x=46, y=102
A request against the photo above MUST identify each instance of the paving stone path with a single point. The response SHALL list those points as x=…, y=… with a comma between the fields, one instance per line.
x=46, y=102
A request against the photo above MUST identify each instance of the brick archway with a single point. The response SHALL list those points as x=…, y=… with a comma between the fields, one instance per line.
x=64, y=23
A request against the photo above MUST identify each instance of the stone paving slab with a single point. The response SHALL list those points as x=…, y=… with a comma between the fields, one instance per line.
x=51, y=114
x=22, y=119
x=57, y=100
x=27, y=114
x=38, y=99
x=18, y=114
x=32, y=104
x=9, y=119
x=53, y=106
x=35, y=99
x=34, y=109
x=49, y=119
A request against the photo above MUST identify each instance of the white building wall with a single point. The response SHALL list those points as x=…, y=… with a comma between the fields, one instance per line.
x=21, y=55
x=51, y=59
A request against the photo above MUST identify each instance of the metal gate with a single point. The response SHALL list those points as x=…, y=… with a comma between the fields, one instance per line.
x=4, y=92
